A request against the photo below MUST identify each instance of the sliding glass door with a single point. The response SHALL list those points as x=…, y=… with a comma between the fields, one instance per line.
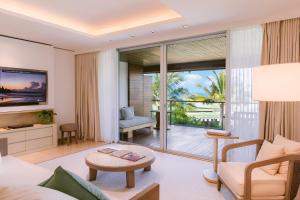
x=195, y=93
x=139, y=96
x=177, y=91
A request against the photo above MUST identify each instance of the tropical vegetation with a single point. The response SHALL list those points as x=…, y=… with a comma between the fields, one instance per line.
x=181, y=102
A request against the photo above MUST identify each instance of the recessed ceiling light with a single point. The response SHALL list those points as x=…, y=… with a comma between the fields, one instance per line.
x=185, y=26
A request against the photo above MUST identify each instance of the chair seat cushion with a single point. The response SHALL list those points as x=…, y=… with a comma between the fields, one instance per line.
x=263, y=184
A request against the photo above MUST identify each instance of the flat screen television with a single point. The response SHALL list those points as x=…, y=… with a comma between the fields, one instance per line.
x=19, y=87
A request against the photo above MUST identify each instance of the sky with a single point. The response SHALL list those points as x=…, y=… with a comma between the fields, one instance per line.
x=191, y=79
x=20, y=81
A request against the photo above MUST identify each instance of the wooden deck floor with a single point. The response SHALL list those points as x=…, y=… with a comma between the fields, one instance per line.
x=190, y=140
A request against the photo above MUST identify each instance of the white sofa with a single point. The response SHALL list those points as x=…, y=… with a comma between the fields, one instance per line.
x=18, y=173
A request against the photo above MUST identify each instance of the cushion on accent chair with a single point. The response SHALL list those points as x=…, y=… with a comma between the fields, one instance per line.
x=127, y=113
x=269, y=151
x=290, y=147
x=73, y=185
x=263, y=184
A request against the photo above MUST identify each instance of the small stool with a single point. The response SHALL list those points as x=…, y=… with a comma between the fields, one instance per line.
x=69, y=128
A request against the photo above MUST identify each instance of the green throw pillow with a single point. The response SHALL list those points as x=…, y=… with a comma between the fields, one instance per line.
x=73, y=185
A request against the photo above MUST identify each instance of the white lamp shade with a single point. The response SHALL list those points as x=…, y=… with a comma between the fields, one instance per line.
x=278, y=82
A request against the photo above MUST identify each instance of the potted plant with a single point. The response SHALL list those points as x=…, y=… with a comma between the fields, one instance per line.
x=46, y=116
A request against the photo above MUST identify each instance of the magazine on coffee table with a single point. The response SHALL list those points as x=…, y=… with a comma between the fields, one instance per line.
x=120, y=153
x=107, y=150
x=123, y=154
x=133, y=157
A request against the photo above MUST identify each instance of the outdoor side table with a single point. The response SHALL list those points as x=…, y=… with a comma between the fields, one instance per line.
x=210, y=175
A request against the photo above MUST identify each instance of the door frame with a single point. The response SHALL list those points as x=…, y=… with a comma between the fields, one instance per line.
x=163, y=88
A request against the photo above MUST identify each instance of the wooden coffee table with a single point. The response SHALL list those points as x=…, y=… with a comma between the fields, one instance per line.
x=105, y=162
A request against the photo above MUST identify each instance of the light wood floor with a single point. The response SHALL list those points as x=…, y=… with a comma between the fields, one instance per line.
x=180, y=138
x=59, y=151
x=191, y=140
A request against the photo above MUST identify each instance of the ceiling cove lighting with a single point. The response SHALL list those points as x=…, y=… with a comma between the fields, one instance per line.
x=159, y=17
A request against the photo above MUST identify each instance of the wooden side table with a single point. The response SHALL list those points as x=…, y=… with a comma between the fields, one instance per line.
x=210, y=175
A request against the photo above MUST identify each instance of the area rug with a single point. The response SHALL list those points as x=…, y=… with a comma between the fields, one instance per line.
x=179, y=177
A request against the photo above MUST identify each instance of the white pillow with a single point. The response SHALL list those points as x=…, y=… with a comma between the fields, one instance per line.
x=290, y=147
x=32, y=193
x=269, y=151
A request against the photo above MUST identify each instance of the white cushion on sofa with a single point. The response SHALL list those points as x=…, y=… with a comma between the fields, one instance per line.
x=263, y=184
x=290, y=147
x=29, y=192
x=269, y=151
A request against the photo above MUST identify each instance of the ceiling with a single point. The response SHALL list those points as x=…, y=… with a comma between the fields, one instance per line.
x=92, y=17
x=97, y=24
x=204, y=49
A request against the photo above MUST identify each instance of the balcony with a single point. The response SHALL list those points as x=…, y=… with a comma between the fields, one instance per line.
x=187, y=125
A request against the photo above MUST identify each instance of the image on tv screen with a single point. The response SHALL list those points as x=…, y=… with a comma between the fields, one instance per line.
x=22, y=87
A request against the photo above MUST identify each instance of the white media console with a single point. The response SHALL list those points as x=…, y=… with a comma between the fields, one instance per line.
x=30, y=139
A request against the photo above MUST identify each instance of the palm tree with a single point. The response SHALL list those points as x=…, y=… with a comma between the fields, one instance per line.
x=216, y=89
x=174, y=89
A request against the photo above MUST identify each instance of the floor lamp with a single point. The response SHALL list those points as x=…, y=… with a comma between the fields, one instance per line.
x=277, y=83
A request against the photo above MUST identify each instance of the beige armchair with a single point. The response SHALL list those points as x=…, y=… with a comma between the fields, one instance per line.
x=247, y=181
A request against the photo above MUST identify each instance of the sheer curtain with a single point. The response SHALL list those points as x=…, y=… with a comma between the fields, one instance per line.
x=108, y=95
x=242, y=119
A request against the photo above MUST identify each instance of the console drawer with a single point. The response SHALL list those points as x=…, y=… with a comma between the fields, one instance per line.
x=39, y=133
x=17, y=148
x=15, y=137
x=39, y=143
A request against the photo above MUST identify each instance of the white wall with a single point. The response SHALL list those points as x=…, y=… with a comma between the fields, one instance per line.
x=21, y=54
x=123, y=84
x=64, y=86
x=60, y=65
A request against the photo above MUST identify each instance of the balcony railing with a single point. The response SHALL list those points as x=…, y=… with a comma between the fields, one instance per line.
x=193, y=113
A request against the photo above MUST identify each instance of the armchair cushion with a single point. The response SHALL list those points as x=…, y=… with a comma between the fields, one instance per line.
x=269, y=151
x=263, y=184
x=290, y=147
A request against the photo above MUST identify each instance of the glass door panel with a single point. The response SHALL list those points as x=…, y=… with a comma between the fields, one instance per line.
x=195, y=93
x=139, y=91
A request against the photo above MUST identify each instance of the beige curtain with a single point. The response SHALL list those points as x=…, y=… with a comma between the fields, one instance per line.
x=87, y=101
x=281, y=44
